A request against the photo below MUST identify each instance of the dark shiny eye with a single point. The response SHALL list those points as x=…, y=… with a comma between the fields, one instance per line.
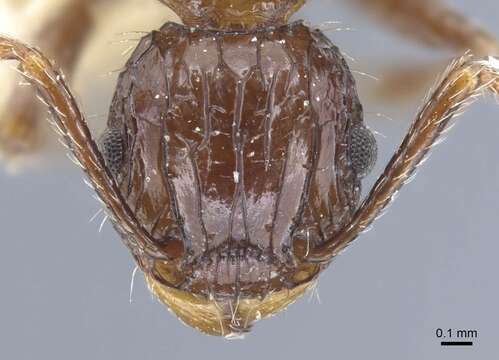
x=362, y=150
x=112, y=147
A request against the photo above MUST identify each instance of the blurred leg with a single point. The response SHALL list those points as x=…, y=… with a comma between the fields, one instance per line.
x=433, y=23
x=402, y=80
x=61, y=38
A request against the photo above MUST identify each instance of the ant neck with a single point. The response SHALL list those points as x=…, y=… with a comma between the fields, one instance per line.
x=234, y=14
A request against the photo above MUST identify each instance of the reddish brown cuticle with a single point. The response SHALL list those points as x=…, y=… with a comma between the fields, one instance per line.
x=235, y=146
x=235, y=159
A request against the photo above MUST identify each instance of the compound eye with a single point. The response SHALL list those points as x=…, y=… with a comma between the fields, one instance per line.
x=112, y=147
x=362, y=150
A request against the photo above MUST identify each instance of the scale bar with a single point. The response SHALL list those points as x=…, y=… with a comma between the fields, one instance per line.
x=456, y=343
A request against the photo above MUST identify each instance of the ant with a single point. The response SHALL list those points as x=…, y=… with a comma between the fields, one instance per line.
x=235, y=147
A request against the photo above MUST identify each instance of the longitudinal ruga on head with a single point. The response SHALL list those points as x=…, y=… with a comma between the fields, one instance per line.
x=234, y=152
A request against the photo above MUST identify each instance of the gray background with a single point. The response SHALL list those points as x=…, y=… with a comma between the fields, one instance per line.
x=429, y=263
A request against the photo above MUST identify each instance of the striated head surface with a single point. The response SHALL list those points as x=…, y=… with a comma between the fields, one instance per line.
x=233, y=150
x=234, y=14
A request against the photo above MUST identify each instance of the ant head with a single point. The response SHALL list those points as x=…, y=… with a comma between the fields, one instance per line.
x=234, y=14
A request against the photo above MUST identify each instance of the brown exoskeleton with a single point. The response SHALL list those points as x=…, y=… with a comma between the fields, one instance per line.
x=234, y=153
